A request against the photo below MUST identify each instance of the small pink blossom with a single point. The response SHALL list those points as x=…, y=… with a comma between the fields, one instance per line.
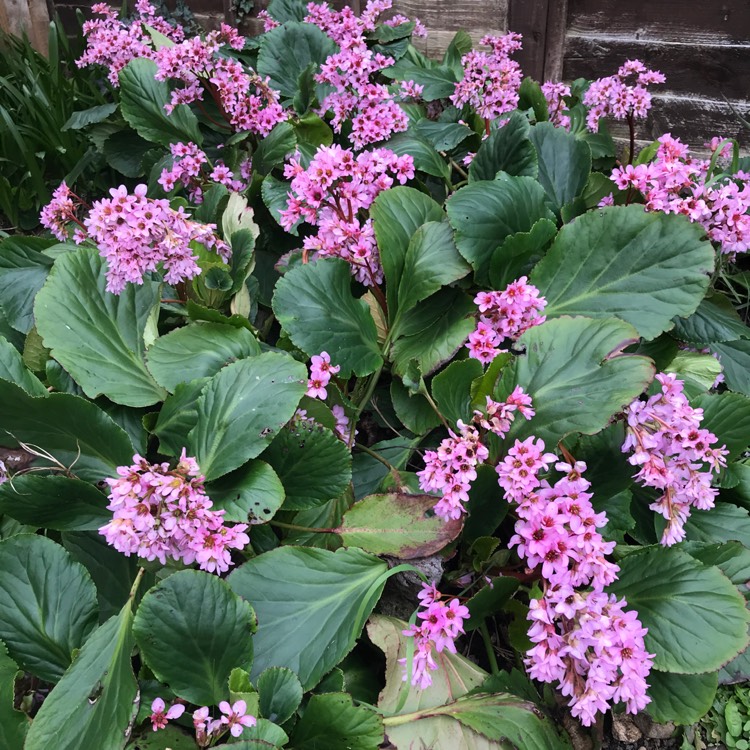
x=235, y=717
x=159, y=717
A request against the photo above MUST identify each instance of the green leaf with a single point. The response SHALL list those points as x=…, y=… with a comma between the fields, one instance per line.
x=197, y=351
x=517, y=255
x=75, y=431
x=431, y=262
x=275, y=194
x=531, y=97
x=564, y=163
x=397, y=214
x=280, y=694
x=486, y=212
x=274, y=148
x=263, y=736
x=443, y=716
x=489, y=600
x=681, y=698
x=287, y=51
x=169, y=738
x=439, y=81
x=732, y=558
x=125, y=151
x=414, y=410
x=13, y=724
x=698, y=371
x=727, y=415
x=23, y=271
x=332, y=720
x=242, y=408
x=485, y=511
x=575, y=373
x=645, y=268
x=54, y=502
x=251, y=494
x=13, y=369
x=196, y=615
x=47, y=604
x=397, y=524
x=507, y=150
x=444, y=136
x=311, y=606
x=315, y=306
x=83, y=117
x=723, y=523
x=714, y=321
x=696, y=618
x=178, y=416
x=426, y=158
x=96, y=700
x=96, y=336
x=313, y=465
x=287, y=10
x=735, y=361
x=451, y=389
x=434, y=331
x=142, y=100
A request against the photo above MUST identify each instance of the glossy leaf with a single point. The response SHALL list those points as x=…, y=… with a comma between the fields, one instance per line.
x=13, y=723
x=47, y=604
x=242, y=408
x=487, y=212
x=723, y=523
x=251, y=494
x=178, y=416
x=311, y=606
x=727, y=415
x=98, y=337
x=196, y=615
x=576, y=376
x=280, y=694
x=507, y=150
x=315, y=306
x=681, y=698
x=425, y=156
x=96, y=700
x=714, y=321
x=313, y=465
x=516, y=256
x=397, y=524
x=735, y=361
x=13, y=369
x=644, y=268
x=198, y=351
x=451, y=389
x=696, y=618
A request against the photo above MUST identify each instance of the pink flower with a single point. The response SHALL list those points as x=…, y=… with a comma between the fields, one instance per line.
x=321, y=371
x=235, y=717
x=158, y=716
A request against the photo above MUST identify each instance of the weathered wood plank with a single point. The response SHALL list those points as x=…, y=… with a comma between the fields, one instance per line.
x=530, y=20
x=700, y=69
x=675, y=20
x=28, y=17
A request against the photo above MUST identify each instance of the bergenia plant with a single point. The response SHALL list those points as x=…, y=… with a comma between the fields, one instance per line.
x=383, y=402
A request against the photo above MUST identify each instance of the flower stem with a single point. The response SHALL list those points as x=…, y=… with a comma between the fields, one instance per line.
x=489, y=647
x=294, y=527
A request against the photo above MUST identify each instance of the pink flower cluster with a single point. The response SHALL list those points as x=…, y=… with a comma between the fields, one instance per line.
x=676, y=183
x=321, y=370
x=245, y=99
x=161, y=513
x=673, y=453
x=191, y=168
x=504, y=315
x=374, y=112
x=555, y=93
x=451, y=468
x=234, y=719
x=441, y=624
x=622, y=95
x=591, y=646
x=331, y=194
x=491, y=79
x=113, y=43
x=584, y=640
x=135, y=234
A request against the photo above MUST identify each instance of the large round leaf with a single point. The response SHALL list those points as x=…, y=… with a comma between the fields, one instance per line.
x=197, y=616
x=242, y=408
x=97, y=336
x=564, y=163
x=47, y=604
x=727, y=415
x=288, y=50
x=645, y=268
x=311, y=606
x=486, y=212
x=315, y=306
x=13, y=723
x=96, y=700
x=576, y=376
x=279, y=694
x=198, y=351
x=178, y=415
x=397, y=524
x=253, y=493
x=713, y=322
x=54, y=502
x=313, y=464
x=735, y=361
x=508, y=150
x=681, y=698
x=396, y=215
x=696, y=619
x=142, y=100
x=13, y=369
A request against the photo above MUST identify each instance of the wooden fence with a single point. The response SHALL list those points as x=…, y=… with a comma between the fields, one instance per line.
x=702, y=46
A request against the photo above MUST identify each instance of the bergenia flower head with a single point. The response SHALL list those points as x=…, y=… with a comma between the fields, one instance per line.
x=159, y=717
